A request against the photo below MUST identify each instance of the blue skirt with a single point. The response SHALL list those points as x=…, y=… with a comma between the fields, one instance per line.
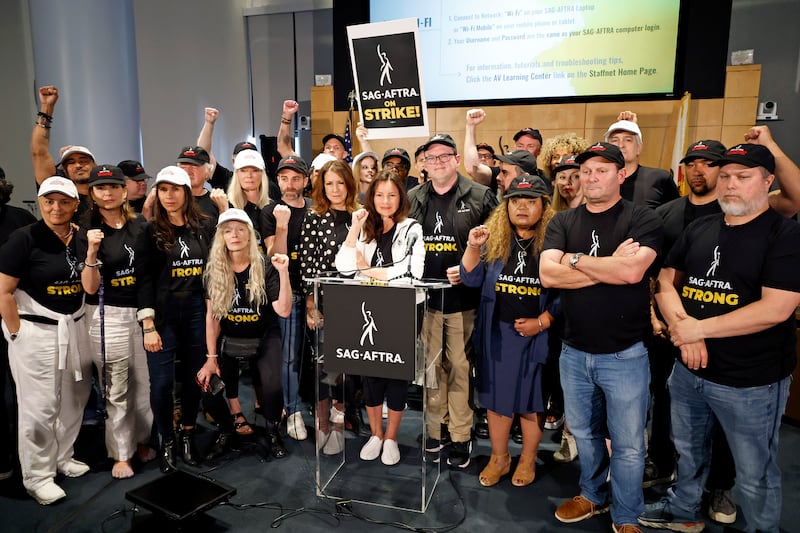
x=509, y=381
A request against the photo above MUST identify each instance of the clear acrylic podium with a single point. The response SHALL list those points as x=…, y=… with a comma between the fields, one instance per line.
x=373, y=329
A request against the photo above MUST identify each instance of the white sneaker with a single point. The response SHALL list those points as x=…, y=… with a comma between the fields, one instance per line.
x=337, y=416
x=73, y=468
x=322, y=438
x=295, y=427
x=48, y=493
x=335, y=443
x=391, y=453
x=372, y=449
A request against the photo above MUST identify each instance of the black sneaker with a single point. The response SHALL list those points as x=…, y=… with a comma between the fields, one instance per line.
x=516, y=433
x=653, y=476
x=481, y=424
x=459, y=455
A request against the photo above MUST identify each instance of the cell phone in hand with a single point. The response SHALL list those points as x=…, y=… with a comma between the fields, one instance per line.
x=215, y=384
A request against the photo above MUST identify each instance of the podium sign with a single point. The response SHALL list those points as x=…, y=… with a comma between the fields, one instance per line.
x=370, y=331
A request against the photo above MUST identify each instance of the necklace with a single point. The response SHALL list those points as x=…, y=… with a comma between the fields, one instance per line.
x=522, y=247
x=66, y=235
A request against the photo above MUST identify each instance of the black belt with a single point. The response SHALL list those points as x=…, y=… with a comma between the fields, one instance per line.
x=43, y=319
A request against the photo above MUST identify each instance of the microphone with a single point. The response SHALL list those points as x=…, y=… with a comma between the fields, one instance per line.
x=412, y=240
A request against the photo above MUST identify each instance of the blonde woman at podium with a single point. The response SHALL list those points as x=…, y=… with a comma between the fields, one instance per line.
x=510, y=336
x=383, y=244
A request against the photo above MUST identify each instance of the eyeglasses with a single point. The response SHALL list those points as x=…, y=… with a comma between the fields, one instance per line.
x=444, y=158
x=485, y=157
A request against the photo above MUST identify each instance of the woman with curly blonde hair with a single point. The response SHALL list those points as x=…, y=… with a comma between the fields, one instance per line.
x=510, y=335
x=244, y=297
x=558, y=147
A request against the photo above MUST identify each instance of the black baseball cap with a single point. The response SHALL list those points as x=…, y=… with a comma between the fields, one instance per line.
x=294, y=162
x=485, y=146
x=749, y=155
x=133, y=170
x=106, y=174
x=533, y=132
x=710, y=149
x=396, y=152
x=605, y=150
x=526, y=186
x=330, y=136
x=244, y=145
x=441, y=138
x=521, y=158
x=567, y=162
x=194, y=155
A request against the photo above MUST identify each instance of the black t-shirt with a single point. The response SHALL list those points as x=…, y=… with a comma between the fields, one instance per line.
x=518, y=288
x=605, y=318
x=47, y=269
x=118, y=254
x=137, y=205
x=242, y=320
x=383, y=251
x=441, y=245
x=725, y=268
x=679, y=213
x=341, y=225
x=12, y=218
x=292, y=237
x=221, y=177
x=208, y=206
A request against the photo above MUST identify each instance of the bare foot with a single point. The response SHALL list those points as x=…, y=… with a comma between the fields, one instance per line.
x=122, y=470
x=146, y=453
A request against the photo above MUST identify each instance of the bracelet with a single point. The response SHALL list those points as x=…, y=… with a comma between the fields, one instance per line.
x=149, y=330
x=212, y=356
x=285, y=121
x=473, y=246
x=45, y=126
x=96, y=265
x=48, y=118
x=541, y=326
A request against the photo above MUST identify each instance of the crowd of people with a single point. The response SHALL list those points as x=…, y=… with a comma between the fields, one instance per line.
x=585, y=294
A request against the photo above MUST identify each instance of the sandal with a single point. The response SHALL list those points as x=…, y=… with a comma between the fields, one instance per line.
x=242, y=428
x=495, y=470
x=525, y=472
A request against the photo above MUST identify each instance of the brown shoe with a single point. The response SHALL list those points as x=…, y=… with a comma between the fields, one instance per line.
x=625, y=528
x=525, y=472
x=499, y=466
x=577, y=509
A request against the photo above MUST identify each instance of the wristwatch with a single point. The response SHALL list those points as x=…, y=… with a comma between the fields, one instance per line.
x=573, y=261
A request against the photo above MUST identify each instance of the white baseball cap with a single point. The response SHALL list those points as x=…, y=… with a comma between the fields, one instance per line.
x=320, y=160
x=58, y=184
x=234, y=214
x=624, y=125
x=248, y=158
x=174, y=175
x=74, y=149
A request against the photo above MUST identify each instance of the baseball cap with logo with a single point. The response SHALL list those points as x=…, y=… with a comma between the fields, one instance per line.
x=526, y=186
x=533, y=132
x=396, y=152
x=604, y=150
x=58, y=184
x=567, y=162
x=521, y=158
x=441, y=138
x=74, y=149
x=711, y=150
x=485, y=146
x=106, y=174
x=749, y=155
x=133, y=170
x=248, y=158
x=194, y=155
x=624, y=125
x=234, y=214
x=296, y=163
x=244, y=145
x=174, y=175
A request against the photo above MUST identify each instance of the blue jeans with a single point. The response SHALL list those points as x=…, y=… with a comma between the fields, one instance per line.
x=751, y=420
x=607, y=395
x=292, y=332
x=182, y=328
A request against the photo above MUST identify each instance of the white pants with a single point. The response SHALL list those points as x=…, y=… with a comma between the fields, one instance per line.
x=50, y=401
x=127, y=379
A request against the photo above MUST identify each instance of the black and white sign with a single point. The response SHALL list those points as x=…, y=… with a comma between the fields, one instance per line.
x=388, y=79
x=370, y=331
